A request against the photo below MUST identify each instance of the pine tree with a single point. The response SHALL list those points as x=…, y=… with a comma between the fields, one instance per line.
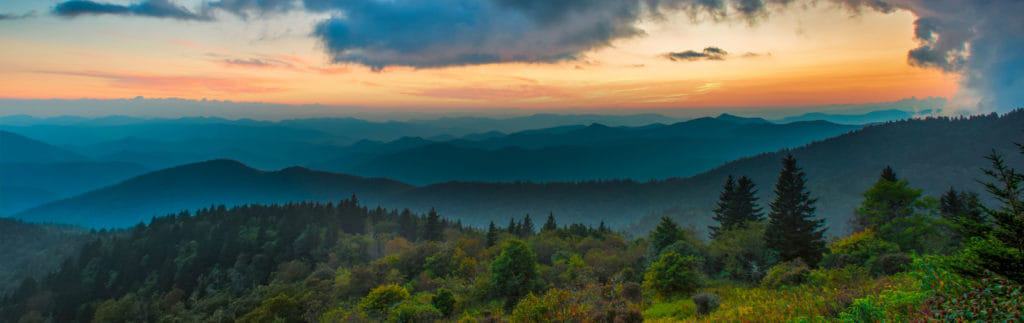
x=950, y=204
x=792, y=230
x=664, y=235
x=746, y=201
x=492, y=234
x=723, y=211
x=1007, y=187
x=513, y=228
x=433, y=229
x=737, y=205
x=407, y=225
x=526, y=228
x=888, y=174
x=602, y=228
x=550, y=225
x=965, y=211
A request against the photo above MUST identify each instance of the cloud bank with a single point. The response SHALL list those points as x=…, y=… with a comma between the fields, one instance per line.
x=981, y=40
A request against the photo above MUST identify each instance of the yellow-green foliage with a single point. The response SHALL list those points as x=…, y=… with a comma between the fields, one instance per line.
x=554, y=306
x=671, y=311
x=830, y=292
x=379, y=302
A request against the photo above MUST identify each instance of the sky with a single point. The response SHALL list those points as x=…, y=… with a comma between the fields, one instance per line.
x=525, y=54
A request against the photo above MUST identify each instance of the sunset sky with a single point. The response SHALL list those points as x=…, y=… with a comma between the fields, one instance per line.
x=800, y=54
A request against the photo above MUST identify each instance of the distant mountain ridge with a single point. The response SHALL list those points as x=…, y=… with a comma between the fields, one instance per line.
x=933, y=154
x=590, y=152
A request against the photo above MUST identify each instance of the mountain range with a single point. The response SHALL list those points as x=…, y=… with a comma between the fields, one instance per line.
x=933, y=154
x=86, y=154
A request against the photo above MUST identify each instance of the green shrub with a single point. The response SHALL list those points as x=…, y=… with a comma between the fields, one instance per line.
x=677, y=310
x=673, y=275
x=706, y=303
x=741, y=253
x=554, y=306
x=890, y=263
x=788, y=273
x=857, y=249
x=889, y=306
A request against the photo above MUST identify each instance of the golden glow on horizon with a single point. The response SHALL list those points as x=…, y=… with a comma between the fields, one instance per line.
x=810, y=56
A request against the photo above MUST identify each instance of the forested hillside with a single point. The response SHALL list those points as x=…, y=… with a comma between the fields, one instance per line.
x=912, y=258
x=32, y=251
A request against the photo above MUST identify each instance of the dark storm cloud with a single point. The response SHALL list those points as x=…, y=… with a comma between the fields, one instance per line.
x=148, y=8
x=461, y=32
x=709, y=53
x=983, y=41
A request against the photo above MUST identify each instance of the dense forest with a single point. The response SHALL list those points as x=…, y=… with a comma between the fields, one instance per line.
x=911, y=257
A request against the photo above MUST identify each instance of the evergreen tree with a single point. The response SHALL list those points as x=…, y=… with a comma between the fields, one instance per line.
x=665, y=234
x=433, y=229
x=746, y=201
x=513, y=228
x=1007, y=187
x=550, y=225
x=526, y=228
x=888, y=174
x=723, y=211
x=965, y=211
x=602, y=228
x=407, y=225
x=492, y=234
x=737, y=205
x=889, y=199
x=792, y=230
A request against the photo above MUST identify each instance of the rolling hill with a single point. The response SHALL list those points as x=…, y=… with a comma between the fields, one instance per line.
x=203, y=184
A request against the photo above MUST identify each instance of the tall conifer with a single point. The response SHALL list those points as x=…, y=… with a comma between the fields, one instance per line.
x=793, y=231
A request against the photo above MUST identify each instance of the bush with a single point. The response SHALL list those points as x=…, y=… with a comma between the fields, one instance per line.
x=706, y=303
x=673, y=275
x=786, y=273
x=741, y=253
x=890, y=263
x=857, y=249
x=554, y=306
x=379, y=302
x=678, y=310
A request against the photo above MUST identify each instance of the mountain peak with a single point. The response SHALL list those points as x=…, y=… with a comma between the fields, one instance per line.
x=739, y=119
